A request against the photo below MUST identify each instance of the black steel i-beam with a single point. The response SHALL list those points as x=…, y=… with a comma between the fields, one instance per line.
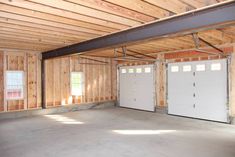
x=194, y=21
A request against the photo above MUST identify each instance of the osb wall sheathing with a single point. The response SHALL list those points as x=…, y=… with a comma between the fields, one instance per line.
x=30, y=64
x=100, y=80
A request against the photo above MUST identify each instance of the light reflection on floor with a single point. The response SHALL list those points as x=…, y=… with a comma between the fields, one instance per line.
x=63, y=119
x=143, y=132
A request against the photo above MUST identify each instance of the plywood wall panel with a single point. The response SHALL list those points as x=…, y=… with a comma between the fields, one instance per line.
x=97, y=83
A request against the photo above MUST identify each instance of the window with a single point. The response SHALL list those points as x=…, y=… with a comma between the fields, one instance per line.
x=138, y=70
x=131, y=70
x=77, y=83
x=186, y=68
x=200, y=67
x=14, y=85
x=174, y=68
x=123, y=71
x=216, y=67
x=147, y=70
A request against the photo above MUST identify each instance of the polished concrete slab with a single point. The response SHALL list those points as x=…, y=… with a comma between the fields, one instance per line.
x=115, y=132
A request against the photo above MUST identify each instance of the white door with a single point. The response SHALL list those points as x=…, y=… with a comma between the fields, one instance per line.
x=199, y=93
x=211, y=90
x=137, y=88
x=180, y=83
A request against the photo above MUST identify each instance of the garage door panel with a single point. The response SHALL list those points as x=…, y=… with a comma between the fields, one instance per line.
x=137, y=90
x=211, y=92
x=201, y=93
x=182, y=83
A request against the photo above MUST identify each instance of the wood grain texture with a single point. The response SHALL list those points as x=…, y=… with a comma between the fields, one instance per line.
x=99, y=83
x=47, y=25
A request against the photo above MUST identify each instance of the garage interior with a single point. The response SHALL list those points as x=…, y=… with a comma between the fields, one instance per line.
x=117, y=78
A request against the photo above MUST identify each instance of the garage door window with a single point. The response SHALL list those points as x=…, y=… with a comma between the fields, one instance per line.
x=147, y=70
x=187, y=68
x=14, y=85
x=200, y=67
x=77, y=83
x=131, y=70
x=175, y=69
x=123, y=71
x=215, y=67
x=138, y=70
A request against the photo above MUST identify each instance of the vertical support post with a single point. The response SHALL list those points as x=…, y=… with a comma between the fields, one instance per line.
x=160, y=82
x=232, y=86
x=26, y=105
x=43, y=84
x=4, y=80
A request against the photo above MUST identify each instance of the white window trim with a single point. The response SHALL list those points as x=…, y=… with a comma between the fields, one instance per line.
x=83, y=83
x=23, y=79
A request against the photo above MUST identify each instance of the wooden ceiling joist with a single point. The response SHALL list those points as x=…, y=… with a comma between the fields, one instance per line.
x=207, y=18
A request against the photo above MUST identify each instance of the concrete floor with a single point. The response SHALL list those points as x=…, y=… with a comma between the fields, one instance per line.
x=115, y=132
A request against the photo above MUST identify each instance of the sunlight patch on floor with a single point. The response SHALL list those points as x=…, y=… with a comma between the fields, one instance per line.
x=63, y=119
x=143, y=132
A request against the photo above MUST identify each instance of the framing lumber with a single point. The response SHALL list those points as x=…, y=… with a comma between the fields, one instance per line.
x=138, y=53
x=214, y=47
x=207, y=18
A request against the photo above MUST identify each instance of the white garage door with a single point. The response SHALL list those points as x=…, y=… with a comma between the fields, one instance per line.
x=137, y=88
x=198, y=89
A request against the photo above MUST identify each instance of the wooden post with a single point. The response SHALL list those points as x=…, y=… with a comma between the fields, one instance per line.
x=160, y=82
x=26, y=81
x=232, y=81
x=43, y=84
x=4, y=80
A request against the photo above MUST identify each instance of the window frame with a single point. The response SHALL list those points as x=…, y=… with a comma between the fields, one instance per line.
x=23, y=85
x=82, y=83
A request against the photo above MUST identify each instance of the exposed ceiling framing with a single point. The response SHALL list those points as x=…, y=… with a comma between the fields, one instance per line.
x=41, y=25
x=213, y=17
